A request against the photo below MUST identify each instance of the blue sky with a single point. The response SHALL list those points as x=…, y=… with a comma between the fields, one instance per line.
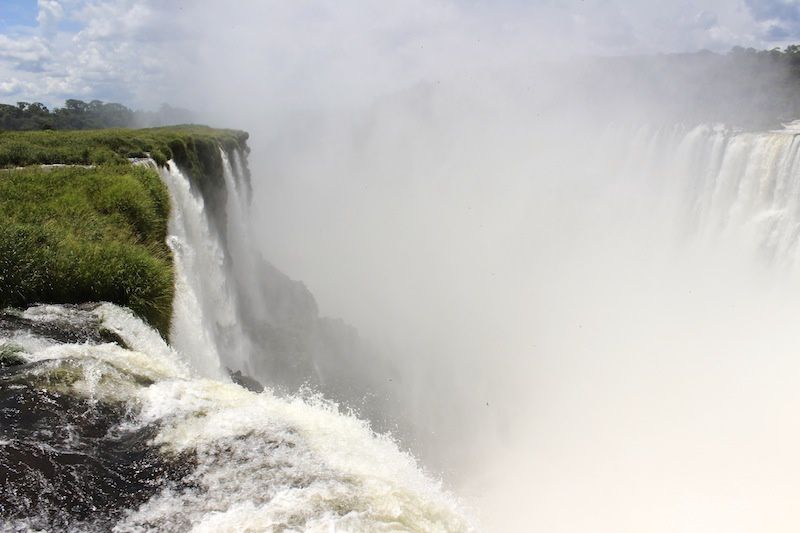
x=139, y=51
x=18, y=13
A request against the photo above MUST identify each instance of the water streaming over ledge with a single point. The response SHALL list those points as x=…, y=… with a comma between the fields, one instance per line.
x=158, y=437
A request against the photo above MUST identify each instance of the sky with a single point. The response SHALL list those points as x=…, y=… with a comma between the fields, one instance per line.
x=145, y=52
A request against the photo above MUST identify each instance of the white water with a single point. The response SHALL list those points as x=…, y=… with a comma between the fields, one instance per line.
x=657, y=396
x=596, y=326
x=204, y=312
x=264, y=463
x=220, y=302
x=745, y=187
x=243, y=266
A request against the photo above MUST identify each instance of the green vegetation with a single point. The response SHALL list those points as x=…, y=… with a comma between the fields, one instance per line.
x=79, y=115
x=71, y=234
x=194, y=148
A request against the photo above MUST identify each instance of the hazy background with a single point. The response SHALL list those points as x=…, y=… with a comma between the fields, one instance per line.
x=463, y=184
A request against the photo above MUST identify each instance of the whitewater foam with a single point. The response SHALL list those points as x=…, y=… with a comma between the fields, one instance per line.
x=261, y=462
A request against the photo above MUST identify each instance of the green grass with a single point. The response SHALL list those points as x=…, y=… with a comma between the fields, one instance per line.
x=73, y=234
x=70, y=235
x=193, y=147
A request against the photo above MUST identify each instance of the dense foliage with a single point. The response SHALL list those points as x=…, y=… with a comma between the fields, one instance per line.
x=73, y=234
x=79, y=115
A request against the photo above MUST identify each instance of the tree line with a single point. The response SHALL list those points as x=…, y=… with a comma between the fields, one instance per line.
x=80, y=115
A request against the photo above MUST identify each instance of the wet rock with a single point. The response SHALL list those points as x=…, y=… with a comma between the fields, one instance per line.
x=60, y=324
x=245, y=381
x=10, y=355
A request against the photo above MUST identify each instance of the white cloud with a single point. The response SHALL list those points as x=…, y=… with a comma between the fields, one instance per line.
x=12, y=86
x=23, y=51
x=113, y=50
x=50, y=14
x=146, y=51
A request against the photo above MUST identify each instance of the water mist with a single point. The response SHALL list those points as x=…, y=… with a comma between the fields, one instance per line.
x=594, y=320
x=576, y=278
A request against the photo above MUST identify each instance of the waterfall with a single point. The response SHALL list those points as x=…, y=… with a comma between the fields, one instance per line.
x=653, y=377
x=620, y=303
x=216, y=274
x=137, y=435
x=235, y=312
x=747, y=188
x=580, y=312
x=725, y=187
x=202, y=295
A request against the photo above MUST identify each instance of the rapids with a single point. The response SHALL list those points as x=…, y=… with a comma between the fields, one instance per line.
x=211, y=455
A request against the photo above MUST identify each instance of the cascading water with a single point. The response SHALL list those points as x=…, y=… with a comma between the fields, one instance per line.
x=652, y=396
x=595, y=322
x=113, y=429
x=723, y=186
x=212, y=455
x=204, y=308
x=152, y=437
x=750, y=186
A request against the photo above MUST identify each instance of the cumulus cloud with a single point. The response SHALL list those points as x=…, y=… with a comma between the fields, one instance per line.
x=50, y=14
x=13, y=86
x=113, y=50
x=23, y=53
x=145, y=51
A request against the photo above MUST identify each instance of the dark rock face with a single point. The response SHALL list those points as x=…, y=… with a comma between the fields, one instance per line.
x=246, y=381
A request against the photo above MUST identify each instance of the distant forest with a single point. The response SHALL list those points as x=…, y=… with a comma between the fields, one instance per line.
x=80, y=115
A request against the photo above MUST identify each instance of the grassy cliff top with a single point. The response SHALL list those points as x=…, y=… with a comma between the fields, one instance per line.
x=97, y=232
x=193, y=147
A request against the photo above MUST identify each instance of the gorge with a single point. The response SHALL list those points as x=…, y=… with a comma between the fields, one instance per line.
x=608, y=301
